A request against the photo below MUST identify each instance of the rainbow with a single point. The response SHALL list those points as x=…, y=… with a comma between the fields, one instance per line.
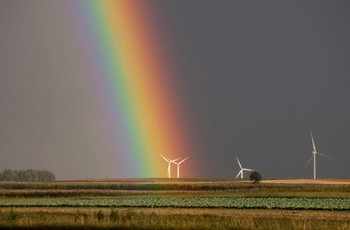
x=133, y=77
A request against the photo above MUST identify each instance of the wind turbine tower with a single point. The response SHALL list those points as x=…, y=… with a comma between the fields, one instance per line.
x=242, y=169
x=178, y=166
x=314, y=154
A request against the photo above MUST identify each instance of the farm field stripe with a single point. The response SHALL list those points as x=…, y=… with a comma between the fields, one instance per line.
x=190, y=202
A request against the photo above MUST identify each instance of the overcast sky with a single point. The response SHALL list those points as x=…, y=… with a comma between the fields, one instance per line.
x=256, y=76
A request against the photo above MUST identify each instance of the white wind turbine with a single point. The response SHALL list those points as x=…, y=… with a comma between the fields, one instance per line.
x=178, y=166
x=169, y=163
x=242, y=169
x=314, y=153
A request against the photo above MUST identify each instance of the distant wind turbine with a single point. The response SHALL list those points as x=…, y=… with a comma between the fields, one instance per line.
x=169, y=163
x=242, y=169
x=178, y=166
x=314, y=153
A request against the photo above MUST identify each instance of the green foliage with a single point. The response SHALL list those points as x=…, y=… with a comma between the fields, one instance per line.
x=129, y=214
x=114, y=216
x=256, y=177
x=100, y=216
x=12, y=216
x=187, y=202
x=26, y=175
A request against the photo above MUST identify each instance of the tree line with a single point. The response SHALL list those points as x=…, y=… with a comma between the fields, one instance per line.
x=26, y=175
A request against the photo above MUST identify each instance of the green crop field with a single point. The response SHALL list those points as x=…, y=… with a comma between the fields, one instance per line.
x=189, y=202
x=175, y=204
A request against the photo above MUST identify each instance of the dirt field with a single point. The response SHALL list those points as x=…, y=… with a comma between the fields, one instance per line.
x=309, y=181
x=311, y=214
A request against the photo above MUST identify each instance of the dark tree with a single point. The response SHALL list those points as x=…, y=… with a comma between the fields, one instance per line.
x=26, y=175
x=9, y=175
x=256, y=177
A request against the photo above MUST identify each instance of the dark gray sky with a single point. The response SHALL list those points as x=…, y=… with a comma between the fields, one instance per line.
x=256, y=75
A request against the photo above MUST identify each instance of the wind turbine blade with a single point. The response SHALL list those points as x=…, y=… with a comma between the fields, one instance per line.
x=313, y=142
x=250, y=170
x=326, y=156
x=239, y=163
x=182, y=160
x=174, y=161
x=308, y=162
x=164, y=158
